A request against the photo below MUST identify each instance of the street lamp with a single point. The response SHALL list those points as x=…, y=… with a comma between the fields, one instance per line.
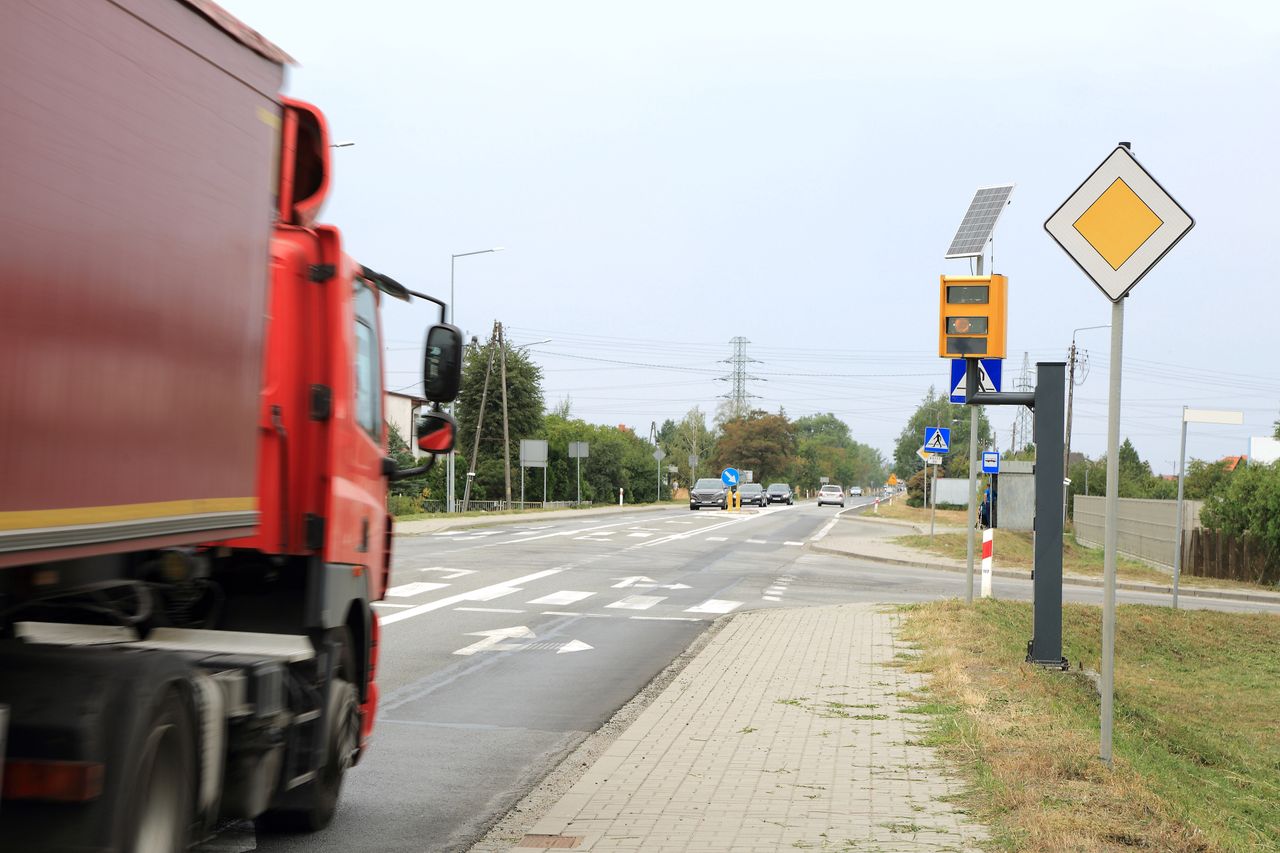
x=452, y=461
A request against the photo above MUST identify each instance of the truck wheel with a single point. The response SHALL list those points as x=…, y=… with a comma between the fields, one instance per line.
x=312, y=806
x=160, y=813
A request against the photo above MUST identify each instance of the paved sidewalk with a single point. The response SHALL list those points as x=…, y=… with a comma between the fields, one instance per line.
x=788, y=731
x=849, y=538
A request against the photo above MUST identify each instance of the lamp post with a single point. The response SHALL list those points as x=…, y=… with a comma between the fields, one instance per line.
x=452, y=461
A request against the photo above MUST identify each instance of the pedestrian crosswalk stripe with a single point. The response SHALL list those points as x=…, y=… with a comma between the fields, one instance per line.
x=714, y=605
x=637, y=602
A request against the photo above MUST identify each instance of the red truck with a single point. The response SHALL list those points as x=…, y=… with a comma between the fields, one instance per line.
x=193, y=455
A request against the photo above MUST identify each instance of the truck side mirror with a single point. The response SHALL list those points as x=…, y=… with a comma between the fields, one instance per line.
x=442, y=363
x=436, y=433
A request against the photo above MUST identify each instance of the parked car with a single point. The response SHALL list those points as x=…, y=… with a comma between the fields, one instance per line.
x=780, y=493
x=752, y=494
x=831, y=494
x=708, y=491
x=855, y=491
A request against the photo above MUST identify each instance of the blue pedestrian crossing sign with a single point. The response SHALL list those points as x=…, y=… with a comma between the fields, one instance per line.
x=729, y=476
x=991, y=462
x=989, y=370
x=937, y=440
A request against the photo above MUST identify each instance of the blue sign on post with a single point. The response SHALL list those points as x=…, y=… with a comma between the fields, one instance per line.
x=989, y=371
x=729, y=476
x=991, y=462
x=937, y=440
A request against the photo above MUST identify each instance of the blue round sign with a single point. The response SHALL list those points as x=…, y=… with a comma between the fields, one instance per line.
x=729, y=476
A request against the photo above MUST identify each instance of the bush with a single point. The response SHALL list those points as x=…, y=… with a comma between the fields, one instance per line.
x=1249, y=504
x=403, y=505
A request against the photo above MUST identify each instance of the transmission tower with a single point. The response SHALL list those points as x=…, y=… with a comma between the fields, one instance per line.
x=1022, y=421
x=738, y=397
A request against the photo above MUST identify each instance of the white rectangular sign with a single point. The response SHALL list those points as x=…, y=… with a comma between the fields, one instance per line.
x=1212, y=416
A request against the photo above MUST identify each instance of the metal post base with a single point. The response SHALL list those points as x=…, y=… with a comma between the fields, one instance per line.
x=1063, y=664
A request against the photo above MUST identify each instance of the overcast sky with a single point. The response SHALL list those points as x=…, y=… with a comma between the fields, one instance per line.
x=667, y=176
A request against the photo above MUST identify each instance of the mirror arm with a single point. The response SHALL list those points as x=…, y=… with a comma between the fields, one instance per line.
x=424, y=296
x=407, y=473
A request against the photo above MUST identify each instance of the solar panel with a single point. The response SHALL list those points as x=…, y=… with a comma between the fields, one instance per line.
x=979, y=221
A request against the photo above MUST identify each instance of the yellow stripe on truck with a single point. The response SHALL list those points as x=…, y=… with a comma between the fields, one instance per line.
x=33, y=519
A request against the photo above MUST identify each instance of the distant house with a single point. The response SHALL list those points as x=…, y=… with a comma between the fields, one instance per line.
x=1231, y=463
x=401, y=409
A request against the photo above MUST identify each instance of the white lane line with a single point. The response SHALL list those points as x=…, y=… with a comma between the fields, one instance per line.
x=685, y=535
x=666, y=618
x=757, y=542
x=449, y=533
x=593, y=537
x=792, y=542
x=673, y=521
x=573, y=532
x=776, y=590
x=487, y=610
x=770, y=598
x=639, y=534
x=486, y=532
x=563, y=597
x=573, y=613
x=824, y=531
x=714, y=605
x=717, y=538
x=389, y=604
x=637, y=602
x=482, y=594
x=405, y=590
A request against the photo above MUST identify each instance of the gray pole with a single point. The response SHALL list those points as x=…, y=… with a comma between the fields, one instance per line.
x=449, y=468
x=659, y=500
x=933, y=496
x=1177, y=537
x=579, y=503
x=972, y=364
x=1108, y=685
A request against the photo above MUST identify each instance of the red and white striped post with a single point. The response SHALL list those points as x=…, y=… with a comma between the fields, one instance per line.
x=988, y=550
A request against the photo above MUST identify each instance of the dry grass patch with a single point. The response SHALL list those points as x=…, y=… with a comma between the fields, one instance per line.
x=1197, y=748
x=917, y=515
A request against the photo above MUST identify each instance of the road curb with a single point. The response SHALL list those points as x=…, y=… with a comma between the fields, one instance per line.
x=1072, y=580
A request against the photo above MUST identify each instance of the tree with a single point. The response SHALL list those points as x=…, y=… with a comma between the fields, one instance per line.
x=524, y=411
x=1249, y=504
x=1275, y=429
x=937, y=410
x=413, y=492
x=761, y=443
x=1205, y=478
x=690, y=436
x=825, y=448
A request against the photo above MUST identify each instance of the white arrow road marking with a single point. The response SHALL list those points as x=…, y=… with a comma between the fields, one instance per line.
x=500, y=640
x=495, y=640
x=637, y=602
x=562, y=598
x=482, y=594
x=642, y=582
x=714, y=605
x=635, y=580
x=405, y=590
x=449, y=574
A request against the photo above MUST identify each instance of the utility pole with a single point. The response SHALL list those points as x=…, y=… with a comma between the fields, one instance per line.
x=475, y=447
x=738, y=397
x=506, y=439
x=1071, y=393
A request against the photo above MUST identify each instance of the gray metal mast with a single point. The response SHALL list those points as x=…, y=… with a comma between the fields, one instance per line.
x=738, y=395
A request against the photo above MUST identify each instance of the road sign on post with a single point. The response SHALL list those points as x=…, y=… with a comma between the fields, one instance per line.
x=578, y=450
x=1116, y=226
x=729, y=476
x=989, y=373
x=991, y=462
x=937, y=439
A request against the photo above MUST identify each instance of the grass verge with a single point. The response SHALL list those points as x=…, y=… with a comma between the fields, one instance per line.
x=1196, y=743
x=1015, y=549
x=917, y=515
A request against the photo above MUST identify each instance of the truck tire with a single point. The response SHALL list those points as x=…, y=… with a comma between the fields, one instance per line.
x=312, y=806
x=159, y=815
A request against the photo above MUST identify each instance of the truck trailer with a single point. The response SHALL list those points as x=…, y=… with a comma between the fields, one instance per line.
x=193, y=455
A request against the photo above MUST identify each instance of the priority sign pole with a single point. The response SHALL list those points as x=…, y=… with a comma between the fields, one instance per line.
x=1111, y=535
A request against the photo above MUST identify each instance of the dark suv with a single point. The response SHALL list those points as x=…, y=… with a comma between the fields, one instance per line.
x=708, y=492
x=780, y=493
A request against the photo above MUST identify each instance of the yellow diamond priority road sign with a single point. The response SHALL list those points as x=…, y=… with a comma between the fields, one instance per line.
x=1118, y=224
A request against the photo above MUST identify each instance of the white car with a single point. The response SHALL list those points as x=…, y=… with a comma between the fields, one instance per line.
x=855, y=491
x=831, y=494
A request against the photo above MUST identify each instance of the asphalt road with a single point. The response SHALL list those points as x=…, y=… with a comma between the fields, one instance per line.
x=504, y=647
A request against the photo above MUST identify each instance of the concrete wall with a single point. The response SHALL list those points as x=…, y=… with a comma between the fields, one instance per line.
x=955, y=490
x=1016, y=509
x=1145, y=527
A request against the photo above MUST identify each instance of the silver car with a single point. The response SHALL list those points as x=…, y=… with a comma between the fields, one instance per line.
x=831, y=494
